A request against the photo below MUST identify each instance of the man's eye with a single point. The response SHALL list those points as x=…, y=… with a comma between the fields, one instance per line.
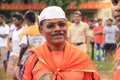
x=51, y=25
x=61, y=24
x=114, y=3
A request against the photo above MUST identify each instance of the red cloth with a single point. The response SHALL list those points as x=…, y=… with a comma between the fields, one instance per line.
x=73, y=60
x=98, y=38
x=116, y=75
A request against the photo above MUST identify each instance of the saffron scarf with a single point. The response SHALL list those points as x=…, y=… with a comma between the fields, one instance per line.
x=116, y=73
x=31, y=30
x=73, y=60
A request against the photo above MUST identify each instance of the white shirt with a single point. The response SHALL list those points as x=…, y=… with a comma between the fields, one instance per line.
x=110, y=34
x=3, y=30
x=32, y=40
x=15, y=41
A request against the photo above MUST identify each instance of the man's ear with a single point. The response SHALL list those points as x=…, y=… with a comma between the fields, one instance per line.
x=40, y=30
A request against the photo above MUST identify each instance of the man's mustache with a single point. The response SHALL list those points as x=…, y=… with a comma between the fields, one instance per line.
x=116, y=14
x=57, y=33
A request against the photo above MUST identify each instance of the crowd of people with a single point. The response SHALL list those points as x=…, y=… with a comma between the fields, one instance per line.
x=49, y=47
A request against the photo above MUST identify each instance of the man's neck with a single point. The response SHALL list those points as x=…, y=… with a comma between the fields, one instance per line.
x=57, y=47
x=109, y=25
x=77, y=23
x=31, y=24
x=19, y=27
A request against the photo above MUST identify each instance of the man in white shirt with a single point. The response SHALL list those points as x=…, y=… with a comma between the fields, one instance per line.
x=110, y=35
x=4, y=31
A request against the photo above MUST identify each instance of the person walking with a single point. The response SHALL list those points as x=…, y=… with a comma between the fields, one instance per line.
x=110, y=36
x=30, y=37
x=13, y=69
x=98, y=32
x=91, y=34
x=4, y=31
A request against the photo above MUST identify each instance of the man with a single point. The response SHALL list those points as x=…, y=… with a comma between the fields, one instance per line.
x=30, y=37
x=98, y=39
x=4, y=31
x=110, y=35
x=116, y=15
x=79, y=33
x=13, y=69
x=91, y=27
x=56, y=59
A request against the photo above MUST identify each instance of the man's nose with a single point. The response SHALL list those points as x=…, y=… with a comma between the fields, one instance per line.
x=117, y=8
x=57, y=27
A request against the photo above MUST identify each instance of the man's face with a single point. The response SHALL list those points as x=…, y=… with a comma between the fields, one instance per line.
x=76, y=18
x=116, y=11
x=16, y=21
x=109, y=22
x=91, y=24
x=55, y=30
x=100, y=22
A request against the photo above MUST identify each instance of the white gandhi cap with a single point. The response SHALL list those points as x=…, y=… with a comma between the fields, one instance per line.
x=52, y=12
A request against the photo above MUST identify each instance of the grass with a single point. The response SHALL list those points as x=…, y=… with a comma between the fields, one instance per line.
x=3, y=75
x=105, y=69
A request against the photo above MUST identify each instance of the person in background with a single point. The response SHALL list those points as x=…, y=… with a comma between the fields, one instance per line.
x=30, y=37
x=13, y=69
x=91, y=34
x=56, y=59
x=110, y=36
x=9, y=43
x=4, y=31
x=79, y=33
x=116, y=15
x=98, y=32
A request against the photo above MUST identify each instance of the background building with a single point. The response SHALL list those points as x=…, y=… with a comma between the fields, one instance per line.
x=91, y=9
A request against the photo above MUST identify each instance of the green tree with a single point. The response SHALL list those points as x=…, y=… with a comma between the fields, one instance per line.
x=62, y=3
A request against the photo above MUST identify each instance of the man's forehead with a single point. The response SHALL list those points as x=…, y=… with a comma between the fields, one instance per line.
x=114, y=0
x=55, y=20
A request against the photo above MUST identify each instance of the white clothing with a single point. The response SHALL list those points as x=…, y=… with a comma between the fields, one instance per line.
x=3, y=30
x=110, y=34
x=32, y=40
x=15, y=41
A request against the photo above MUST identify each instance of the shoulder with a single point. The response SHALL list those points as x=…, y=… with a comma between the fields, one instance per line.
x=31, y=58
x=84, y=25
x=6, y=25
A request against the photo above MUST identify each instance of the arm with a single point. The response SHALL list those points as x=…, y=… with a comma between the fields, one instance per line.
x=87, y=38
x=88, y=43
x=68, y=35
x=23, y=48
x=104, y=34
x=6, y=32
x=98, y=32
x=22, y=51
x=3, y=35
x=26, y=71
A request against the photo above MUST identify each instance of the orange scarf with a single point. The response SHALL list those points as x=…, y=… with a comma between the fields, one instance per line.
x=31, y=30
x=116, y=58
x=73, y=60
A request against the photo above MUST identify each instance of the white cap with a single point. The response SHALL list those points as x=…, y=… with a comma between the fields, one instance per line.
x=52, y=12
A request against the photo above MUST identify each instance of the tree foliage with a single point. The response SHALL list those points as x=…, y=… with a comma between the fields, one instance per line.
x=62, y=3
